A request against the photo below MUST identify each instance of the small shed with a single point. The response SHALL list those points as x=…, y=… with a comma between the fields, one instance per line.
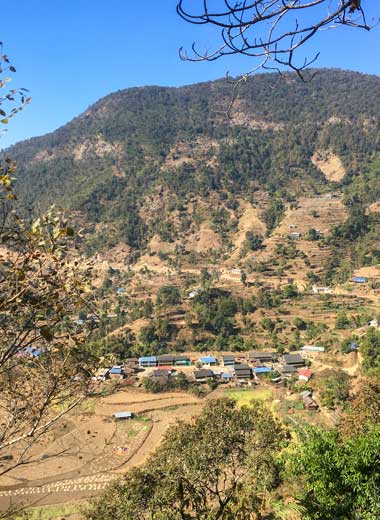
x=226, y=377
x=120, y=291
x=373, y=323
x=295, y=235
x=103, y=374
x=304, y=374
x=122, y=416
x=116, y=372
x=208, y=361
x=360, y=279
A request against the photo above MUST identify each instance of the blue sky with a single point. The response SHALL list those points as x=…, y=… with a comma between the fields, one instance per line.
x=69, y=53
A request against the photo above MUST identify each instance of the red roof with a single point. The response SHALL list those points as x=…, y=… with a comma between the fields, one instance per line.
x=169, y=368
x=306, y=372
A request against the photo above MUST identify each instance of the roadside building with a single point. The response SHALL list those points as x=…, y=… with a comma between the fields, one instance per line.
x=295, y=235
x=147, y=361
x=208, y=361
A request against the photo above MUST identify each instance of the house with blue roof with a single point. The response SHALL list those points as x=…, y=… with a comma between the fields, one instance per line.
x=116, y=372
x=360, y=279
x=208, y=361
x=262, y=370
x=147, y=361
x=226, y=377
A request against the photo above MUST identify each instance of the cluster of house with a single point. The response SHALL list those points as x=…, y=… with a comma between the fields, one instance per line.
x=243, y=369
x=126, y=370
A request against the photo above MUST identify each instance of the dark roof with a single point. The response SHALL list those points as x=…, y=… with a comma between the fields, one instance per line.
x=160, y=373
x=241, y=366
x=242, y=370
x=294, y=359
x=170, y=358
x=288, y=369
x=228, y=357
x=261, y=355
x=203, y=373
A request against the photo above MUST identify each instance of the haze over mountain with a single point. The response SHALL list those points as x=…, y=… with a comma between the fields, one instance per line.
x=167, y=164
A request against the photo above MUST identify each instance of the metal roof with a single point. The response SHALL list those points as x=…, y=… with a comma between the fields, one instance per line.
x=200, y=374
x=262, y=370
x=207, y=359
x=312, y=348
x=295, y=359
x=116, y=370
x=260, y=355
x=147, y=359
x=123, y=415
x=288, y=369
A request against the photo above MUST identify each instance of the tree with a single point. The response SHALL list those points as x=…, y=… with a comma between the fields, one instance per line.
x=253, y=242
x=364, y=412
x=370, y=351
x=341, y=476
x=333, y=386
x=270, y=32
x=45, y=364
x=221, y=465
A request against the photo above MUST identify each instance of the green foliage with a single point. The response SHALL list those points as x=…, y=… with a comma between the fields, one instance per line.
x=333, y=386
x=221, y=465
x=370, y=351
x=274, y=214
x=341, y=475
x=252, y=242
x=168, y=295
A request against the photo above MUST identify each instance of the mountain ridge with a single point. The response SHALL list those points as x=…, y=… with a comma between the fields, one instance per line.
x=174, y=144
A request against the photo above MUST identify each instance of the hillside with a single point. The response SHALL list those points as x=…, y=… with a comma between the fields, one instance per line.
x=162, y=172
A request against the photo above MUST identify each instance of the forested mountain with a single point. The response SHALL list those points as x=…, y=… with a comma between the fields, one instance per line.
x=142, y=161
